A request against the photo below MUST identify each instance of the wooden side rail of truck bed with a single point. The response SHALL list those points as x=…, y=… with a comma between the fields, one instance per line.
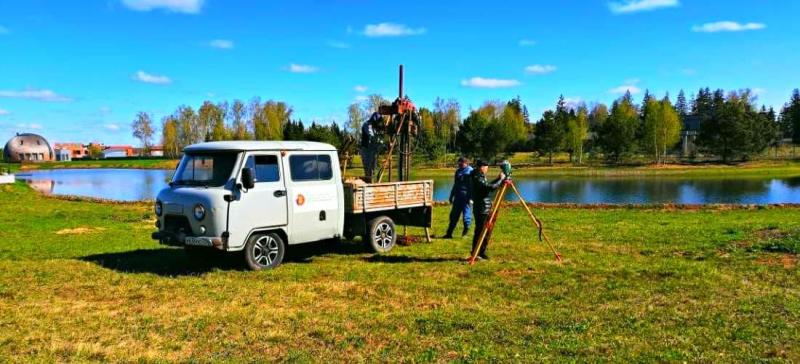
x=364, y=198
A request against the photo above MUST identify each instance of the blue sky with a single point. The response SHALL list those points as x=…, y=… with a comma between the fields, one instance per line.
x=81, y=70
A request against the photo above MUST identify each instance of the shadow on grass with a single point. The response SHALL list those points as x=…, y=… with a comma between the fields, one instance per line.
x=164, y=262
x=171, y=262
x=305, y=253
x=409, y=259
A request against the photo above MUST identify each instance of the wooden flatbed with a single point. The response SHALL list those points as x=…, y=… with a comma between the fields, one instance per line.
x=371, y=197
x=407, y=203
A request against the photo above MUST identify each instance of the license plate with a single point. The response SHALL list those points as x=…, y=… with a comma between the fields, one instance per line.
x=197, y=241
x=173, y=208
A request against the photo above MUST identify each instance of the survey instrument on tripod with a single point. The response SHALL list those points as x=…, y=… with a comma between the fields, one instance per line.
x=495, y=212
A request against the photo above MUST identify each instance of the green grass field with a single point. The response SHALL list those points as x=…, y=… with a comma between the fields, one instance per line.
x=82, y=281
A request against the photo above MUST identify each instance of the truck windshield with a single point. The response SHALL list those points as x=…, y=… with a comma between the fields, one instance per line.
x=207, y=170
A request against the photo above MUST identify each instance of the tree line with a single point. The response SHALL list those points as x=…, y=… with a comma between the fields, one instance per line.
x=728, y=125
x=256, y=120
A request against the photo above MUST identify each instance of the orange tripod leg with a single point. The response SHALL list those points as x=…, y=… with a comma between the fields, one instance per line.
x=537, y=222
x=489, y=222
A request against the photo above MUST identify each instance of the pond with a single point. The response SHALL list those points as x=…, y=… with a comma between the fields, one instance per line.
x=112, y=184
x=144, y=184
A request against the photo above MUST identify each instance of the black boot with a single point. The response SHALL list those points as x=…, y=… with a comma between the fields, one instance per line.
x=449, y=234
x=450, y=229
x=465, y=231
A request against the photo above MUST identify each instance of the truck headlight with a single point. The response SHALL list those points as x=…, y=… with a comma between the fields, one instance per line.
x=199, y=212
x=159, y=208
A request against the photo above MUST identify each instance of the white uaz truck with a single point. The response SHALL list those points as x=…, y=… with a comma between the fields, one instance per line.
x=258, y=197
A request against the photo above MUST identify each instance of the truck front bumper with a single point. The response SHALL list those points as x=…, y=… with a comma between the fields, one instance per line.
x=173, y=239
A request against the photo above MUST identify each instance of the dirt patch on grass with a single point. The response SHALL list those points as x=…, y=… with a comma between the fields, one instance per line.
x=788, y=261
x=772, y=233
x=79, y=231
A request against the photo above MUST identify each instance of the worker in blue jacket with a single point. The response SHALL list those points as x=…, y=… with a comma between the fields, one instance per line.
x=460, y=198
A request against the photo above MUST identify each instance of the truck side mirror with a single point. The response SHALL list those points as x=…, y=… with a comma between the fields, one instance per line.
x=248, y=178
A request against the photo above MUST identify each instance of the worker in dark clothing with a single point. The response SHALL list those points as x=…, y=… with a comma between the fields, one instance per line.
x=482, y=202
x=460, y=198
x=370, y=145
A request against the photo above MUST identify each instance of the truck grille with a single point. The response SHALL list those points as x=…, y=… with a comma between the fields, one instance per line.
x=177, y=224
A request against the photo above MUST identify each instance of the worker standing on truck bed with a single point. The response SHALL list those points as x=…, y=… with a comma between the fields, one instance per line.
x=482, y=202
x=460, y=198
x=370, y=144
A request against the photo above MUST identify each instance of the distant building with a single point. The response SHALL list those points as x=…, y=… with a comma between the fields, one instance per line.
x=76, y=150
x=28, y=148
x=63, y=155
x=157, y=151
x=118, y=151
x=691, y=127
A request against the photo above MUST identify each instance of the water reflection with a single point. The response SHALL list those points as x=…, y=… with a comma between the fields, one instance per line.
x=139, y=184
x=113, y=184
x=649, y=190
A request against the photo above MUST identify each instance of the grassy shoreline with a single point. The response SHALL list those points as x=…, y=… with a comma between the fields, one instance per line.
x=82, y=281
x=104, y=163
x=749, y=169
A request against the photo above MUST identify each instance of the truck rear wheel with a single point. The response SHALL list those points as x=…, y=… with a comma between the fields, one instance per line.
x=264, y=251
x=381, y=235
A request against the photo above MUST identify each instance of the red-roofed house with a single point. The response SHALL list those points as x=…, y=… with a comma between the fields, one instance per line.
x=118, y=151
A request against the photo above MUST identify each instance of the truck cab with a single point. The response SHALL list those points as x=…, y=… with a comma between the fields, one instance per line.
x=265, y=194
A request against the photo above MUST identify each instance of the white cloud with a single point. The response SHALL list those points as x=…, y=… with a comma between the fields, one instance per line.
x=361, y=98
x=631, y=81
x=634, y=6
x=727, y=26
x=758, y=91
x=538, y=69
x=391, y=30
x=360, y=88
x=480, y=82
x=527, y=43
x=178, y=6
x=689, y=71
x=4, y=112
x=625, y=88
x=221, y=44
x=34, y=94
x=573, y=102
x=302, y=68
x=338, y=45
x=4, y=30
x=145, y=77
x=32, y=126
x=112, y=127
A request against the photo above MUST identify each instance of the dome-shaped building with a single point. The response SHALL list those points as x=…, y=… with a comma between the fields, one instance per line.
x=28, y=148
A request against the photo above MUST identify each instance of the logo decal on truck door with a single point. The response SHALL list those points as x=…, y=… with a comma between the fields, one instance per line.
x=300, y=200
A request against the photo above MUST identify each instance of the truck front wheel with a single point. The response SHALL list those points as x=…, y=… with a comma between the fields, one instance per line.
x=382, y=235
x=264, y=251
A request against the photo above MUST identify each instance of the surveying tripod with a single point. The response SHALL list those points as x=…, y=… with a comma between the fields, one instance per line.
x=493, y=214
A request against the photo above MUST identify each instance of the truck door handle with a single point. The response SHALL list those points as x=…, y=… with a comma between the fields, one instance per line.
x=279, y=193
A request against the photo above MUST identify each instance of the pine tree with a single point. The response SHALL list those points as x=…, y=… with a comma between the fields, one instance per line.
x=617, y=136
x=549, y=135
x=681, y=106
x=794, y=116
